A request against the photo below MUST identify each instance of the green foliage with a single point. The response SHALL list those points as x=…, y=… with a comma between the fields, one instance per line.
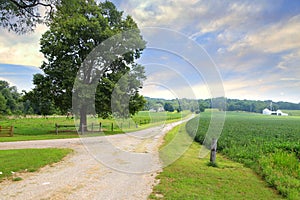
x=174, y=104
x=10, y=99
x=191, y=178
x=258, y=106
x=282, y=170
x=37, y=101
x=168, y=107
x=22, y=160
x=267, y=144
x=146, y=117
x=76, y=29
x=22, y=16
x=2, y=104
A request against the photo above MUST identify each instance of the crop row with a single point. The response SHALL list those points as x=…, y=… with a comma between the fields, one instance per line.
x=268, y=144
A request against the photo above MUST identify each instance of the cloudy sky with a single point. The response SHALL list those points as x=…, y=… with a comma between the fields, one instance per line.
x=197, y=48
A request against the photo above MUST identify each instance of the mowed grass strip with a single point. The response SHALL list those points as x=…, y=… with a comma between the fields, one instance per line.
x=191, y=178
x=28, y=160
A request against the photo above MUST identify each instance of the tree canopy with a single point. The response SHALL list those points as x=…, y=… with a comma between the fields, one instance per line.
x=76, y=29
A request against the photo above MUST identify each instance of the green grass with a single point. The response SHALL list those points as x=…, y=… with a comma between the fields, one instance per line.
x=27, y=160
x=270, y=145
x=39, y=128
x=192, y=178
x=37, y=137
x=292, y=112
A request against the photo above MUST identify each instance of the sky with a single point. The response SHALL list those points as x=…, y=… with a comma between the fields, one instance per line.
x=247, y=49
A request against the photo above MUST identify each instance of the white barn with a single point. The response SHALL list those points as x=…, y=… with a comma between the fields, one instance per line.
x=266, y=111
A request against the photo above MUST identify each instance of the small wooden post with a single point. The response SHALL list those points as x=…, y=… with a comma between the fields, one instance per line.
x=0, y=128
x=112, y=126
x=56, y=128
x=213, y=151
x=100, y=127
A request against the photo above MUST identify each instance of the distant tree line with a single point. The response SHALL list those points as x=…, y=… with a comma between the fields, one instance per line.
x=10, y=100
x=14, y=103
x=27, y=103
x=218, y=103
x=259, y=106
x=177, y=104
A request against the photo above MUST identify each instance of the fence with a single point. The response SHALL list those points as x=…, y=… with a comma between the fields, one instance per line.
x=7, y=131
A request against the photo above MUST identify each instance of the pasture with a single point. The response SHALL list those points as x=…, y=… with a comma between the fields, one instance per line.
x=270, y=145
x=37, y=127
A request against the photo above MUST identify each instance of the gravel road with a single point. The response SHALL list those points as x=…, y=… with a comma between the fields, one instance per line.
x=109, y=167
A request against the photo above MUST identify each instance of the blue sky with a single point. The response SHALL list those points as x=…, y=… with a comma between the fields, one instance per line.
x=254, y=47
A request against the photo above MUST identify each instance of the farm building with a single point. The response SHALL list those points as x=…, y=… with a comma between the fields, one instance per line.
x=270, y=112
x=157, y=108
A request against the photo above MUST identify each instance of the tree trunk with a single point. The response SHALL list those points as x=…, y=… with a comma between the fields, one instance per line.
x=83, y=119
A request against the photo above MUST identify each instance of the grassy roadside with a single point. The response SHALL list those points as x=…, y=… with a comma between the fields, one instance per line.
x=191, y=178
x=15, y=161
x=43, y=128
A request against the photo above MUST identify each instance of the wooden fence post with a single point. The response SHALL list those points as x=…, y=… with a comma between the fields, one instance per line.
x=56, y=128
x=213, y=151
x=100, y=127
x=112, y=126
x=0, y=128
x=11, y=131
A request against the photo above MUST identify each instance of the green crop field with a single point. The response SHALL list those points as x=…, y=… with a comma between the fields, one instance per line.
x=270, y=145
x=33, y=128
x=292, y=112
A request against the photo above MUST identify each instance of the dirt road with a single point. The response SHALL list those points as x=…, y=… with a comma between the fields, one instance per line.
x=109, y=167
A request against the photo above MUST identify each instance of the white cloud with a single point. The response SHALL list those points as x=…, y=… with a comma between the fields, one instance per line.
x=163, y=13
x=279, y=37
x=290, y=63
x=21, y=49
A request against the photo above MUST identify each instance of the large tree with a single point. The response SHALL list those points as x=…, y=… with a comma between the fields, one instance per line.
x=76, y=29
x=22, y=16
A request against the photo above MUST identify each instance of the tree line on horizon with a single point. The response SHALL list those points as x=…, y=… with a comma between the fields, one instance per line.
x=199, y=105
x=14, y=103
